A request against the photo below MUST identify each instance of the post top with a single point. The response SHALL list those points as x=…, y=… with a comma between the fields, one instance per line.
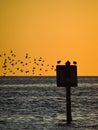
x=67, y=63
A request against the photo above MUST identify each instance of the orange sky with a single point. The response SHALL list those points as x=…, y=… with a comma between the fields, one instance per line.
x=52, y=29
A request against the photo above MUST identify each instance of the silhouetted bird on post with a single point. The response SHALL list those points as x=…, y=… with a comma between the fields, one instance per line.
x=74, y=62
x=59, y=61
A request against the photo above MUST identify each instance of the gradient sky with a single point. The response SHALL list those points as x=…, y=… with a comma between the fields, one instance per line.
x=52, y=29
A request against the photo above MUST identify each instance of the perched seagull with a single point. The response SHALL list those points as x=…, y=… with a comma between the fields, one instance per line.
x=74, y=62
x=59, y=61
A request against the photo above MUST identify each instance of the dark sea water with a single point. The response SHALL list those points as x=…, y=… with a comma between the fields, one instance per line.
x=36, y=103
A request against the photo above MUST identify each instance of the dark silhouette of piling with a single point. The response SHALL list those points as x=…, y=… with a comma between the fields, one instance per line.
x=67, y=77
x=68, y=94
x=68, y=104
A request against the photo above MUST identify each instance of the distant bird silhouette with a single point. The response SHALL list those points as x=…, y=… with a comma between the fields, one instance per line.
x=21, y=62
x=12, y=64
x=34, y=59
x=33, y=70
x=39, y=60
x=4, y=66
x=27, y=71
x=26, y=55
x=12, y=60
x=11, y=51
x=21, y=70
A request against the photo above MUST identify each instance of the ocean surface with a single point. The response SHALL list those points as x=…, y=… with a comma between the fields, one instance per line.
x=36, y=103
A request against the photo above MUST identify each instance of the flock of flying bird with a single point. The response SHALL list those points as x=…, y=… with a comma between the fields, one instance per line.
x=10, y=64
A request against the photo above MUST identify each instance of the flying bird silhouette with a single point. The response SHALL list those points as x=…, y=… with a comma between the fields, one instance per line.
x=10, y=63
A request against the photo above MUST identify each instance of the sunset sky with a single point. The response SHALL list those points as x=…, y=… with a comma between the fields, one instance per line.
x=51, y=29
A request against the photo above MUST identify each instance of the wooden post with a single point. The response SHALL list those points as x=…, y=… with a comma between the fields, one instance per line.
x=67, y=77
x=68, y=104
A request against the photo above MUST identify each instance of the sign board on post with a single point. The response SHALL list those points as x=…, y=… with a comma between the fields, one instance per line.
x=66, y=75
